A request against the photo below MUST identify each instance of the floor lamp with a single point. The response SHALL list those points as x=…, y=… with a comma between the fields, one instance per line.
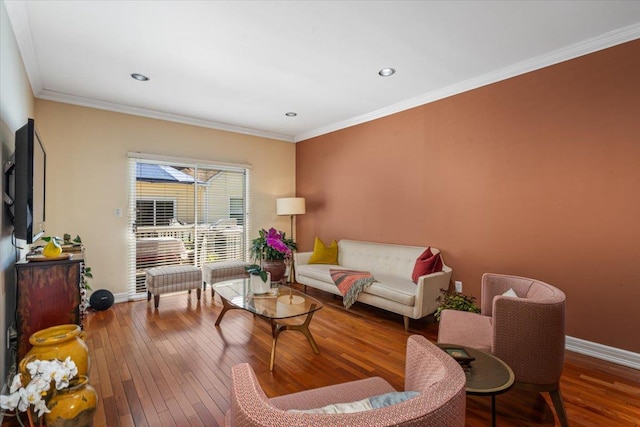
x=290, y=206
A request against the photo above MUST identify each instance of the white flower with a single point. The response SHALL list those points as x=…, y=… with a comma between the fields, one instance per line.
x=43, y=373
x=65, y=371
x=10, y=402
x=41, y=407
x=41, y=383
x=33, y=367
x=47, y=368
x=71, y=366
x=31, y=393
x=16, y=384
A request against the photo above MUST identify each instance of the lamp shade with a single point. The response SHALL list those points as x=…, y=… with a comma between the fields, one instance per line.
x=290, y=206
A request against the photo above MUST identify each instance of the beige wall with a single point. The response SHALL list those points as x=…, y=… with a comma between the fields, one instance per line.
x=87, y=175
x=538, y=176
x=16, y=106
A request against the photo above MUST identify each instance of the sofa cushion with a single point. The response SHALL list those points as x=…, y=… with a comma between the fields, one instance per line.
x=374, y=402
x=393, y=288
x=510, y=293
x=426, y=263
x=318, y=271
x=323, y=254
x=456, y=327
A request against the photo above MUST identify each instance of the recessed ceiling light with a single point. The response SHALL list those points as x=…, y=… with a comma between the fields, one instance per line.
x=140, y=77
x=386, y=72
x=290, y=114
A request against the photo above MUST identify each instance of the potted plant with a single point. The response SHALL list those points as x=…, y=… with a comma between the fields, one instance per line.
x=39, y=388
x=260, y=279
x=271, y=248
x=455, y=301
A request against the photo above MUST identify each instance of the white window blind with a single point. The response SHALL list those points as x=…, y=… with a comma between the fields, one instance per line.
x=185, y=213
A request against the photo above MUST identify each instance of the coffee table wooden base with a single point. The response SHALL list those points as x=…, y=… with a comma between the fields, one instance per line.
x=226, y=306
x=277, y=327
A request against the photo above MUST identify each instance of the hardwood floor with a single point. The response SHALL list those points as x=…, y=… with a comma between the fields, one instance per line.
x=171, y=366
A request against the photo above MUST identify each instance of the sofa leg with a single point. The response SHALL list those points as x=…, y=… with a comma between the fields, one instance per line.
x=406, y=323
x=199, y=293
x=148, y=296
x=156, y=300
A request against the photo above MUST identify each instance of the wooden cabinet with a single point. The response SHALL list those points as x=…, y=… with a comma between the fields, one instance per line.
x=48, y=294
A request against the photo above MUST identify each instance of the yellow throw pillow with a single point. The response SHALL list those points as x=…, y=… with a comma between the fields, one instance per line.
x=323, y=254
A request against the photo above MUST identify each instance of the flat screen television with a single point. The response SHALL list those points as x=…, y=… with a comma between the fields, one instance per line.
x=30, y=159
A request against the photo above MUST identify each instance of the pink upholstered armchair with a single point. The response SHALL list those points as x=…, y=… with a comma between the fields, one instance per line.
x=527, y=331
x=435, y=375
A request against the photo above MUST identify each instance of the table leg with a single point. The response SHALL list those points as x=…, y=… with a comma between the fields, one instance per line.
x=493, y=410
x=226, y=306
x=276, y=328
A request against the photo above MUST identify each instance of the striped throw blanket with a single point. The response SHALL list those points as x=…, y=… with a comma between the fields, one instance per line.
x=350, y=283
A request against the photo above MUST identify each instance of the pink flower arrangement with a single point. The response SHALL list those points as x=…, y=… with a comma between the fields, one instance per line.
x=272, y=245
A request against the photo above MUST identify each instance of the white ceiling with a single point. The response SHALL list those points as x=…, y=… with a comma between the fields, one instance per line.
x=241, y=65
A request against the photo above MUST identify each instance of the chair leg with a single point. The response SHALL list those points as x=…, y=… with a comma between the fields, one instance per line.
x=156, y=300
x=148, y=296
x=199, y=293
x=406, y=323
x=556, y=397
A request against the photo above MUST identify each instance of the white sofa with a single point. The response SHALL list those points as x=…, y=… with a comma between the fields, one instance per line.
x=391, y=266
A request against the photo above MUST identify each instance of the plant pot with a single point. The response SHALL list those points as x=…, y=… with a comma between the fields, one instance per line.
x=58, y=342
x=277, y=268
x=258, y=286
x=73, y=406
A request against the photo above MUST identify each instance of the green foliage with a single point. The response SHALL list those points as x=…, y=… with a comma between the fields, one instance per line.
x=67, y=239
x=455, y=301
x=255, y=269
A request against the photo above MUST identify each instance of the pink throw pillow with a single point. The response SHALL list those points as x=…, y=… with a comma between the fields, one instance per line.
x=426, y=263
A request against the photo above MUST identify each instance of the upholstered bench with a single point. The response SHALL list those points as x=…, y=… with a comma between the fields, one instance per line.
x=172, y=278
x=220, y=271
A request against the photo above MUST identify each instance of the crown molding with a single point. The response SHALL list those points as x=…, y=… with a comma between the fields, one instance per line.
x=152, y=114
x=604, y=41
x=19, y=18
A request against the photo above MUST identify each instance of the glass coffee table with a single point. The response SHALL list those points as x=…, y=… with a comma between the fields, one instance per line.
x=282, y=307
x=486, y=375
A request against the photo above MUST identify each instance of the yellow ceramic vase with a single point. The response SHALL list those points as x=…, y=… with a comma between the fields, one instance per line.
x=52, y=249
x=73, y=406
x=58, y=342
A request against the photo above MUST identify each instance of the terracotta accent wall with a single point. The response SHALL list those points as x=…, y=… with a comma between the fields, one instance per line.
x=537, y=176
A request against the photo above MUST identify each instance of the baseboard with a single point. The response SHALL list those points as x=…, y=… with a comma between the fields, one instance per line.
x=124, y=297
x=604, y=352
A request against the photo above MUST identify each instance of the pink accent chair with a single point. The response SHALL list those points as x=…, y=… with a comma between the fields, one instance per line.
x=526, y=332
x=429, y=370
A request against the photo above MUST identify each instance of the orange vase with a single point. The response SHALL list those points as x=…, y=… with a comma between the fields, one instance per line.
x=73, y=406
x=58, y=342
